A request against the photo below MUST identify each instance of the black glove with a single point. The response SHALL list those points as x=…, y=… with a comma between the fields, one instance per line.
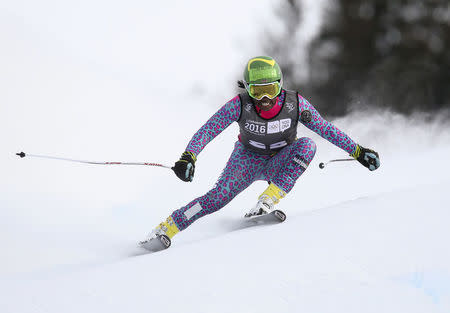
x=367, y=157
x=184, y=168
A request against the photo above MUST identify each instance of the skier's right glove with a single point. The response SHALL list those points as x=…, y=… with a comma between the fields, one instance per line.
x=184, y=168
x=367, y=157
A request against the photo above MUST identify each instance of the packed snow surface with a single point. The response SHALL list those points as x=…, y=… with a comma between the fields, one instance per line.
x=354, y=241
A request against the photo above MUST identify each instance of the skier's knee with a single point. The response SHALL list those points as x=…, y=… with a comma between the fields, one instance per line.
x=307, y=148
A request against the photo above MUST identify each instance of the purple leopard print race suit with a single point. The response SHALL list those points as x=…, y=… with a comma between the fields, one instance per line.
x=244, y=166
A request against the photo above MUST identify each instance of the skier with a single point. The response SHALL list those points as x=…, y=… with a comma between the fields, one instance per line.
x=267, y=148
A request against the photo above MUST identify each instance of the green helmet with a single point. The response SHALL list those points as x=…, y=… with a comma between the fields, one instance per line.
x=262, y=70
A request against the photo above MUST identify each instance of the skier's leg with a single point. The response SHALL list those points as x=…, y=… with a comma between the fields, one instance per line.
x=287, y=166
x=242, y=169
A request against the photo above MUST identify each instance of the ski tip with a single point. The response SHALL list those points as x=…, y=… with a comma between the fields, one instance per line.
x=158, y=243
x=21, y=154
x=280, y=215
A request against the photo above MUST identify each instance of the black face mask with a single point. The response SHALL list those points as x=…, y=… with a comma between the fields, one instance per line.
x=265, y=103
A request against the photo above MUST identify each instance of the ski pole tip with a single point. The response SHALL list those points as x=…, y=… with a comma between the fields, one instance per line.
x=321, y=165
x=21, y=154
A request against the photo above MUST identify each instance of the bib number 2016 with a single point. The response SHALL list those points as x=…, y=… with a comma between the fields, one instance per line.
x=254, y=128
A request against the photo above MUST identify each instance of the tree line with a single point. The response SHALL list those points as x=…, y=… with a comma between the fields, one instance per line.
x=369, y=53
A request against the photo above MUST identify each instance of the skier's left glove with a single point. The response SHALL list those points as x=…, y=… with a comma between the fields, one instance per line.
x=184, y=168
x=367, y=157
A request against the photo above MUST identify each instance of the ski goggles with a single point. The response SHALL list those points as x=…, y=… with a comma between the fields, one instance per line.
x=258, y=91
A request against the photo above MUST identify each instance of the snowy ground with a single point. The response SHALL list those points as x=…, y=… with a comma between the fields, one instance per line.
x=354, y=241
x=373, y=254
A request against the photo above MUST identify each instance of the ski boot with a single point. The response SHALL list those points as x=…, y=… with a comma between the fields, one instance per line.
x=266, y=203
x=160, y=237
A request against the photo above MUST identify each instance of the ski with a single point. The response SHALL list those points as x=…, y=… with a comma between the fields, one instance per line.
x=157, y=243
x=273, y=216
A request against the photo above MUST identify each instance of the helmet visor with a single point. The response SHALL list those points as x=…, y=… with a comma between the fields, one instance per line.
x=258, y=91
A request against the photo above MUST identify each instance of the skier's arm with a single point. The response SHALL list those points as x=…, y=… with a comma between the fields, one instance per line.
x=185, y=167
x=310, y=117
x=223, y=118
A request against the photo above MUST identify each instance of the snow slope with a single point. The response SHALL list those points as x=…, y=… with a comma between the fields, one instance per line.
x=354, y=241
x=382, y=253
x=114, y=88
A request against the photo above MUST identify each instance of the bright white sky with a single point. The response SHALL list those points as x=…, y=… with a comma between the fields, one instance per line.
x=95, y=79
x=113, y=80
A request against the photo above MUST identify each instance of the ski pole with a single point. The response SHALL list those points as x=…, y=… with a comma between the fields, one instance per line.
x=322, y=165
x=23, y=154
